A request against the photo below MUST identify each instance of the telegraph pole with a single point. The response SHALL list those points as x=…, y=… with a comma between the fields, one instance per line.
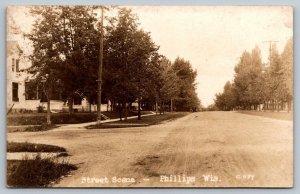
x=100, y=72
x=270, y=49
x=270, y=61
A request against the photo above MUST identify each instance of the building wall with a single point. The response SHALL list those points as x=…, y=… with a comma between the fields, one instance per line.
x=19, y=77
x=14, y=53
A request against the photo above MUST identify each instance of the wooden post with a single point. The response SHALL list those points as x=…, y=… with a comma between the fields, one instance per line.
x=100, y=72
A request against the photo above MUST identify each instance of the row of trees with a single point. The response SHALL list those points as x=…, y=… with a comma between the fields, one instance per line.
x=259, y=86
x=65, y=57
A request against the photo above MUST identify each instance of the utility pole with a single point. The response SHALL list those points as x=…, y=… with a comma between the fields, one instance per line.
x=270, y=62
x=100, y=72
x=270, y=49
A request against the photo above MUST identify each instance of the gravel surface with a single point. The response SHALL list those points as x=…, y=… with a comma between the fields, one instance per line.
x=228, y=149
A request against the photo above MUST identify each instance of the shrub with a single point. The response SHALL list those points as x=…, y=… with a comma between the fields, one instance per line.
x=43, y=127
x=31, y=147
x=40, y=109
x=37, y=172
x=57, y=118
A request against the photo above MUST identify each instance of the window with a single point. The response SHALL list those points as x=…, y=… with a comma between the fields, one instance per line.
x=38, y=91
x=17, y=65
x=15, y=91
x=56, y=95
x=30, y=91
x=77, y=100
x=13, y=64
x=41, y=94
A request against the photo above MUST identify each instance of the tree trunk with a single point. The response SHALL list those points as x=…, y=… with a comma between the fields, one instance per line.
x=90, y=104
x=139, y=109
x=48, y=112
x=70, y=104
x=125, y=111
x=90, y=107
x=48, y=107
x=107, y=105
x=160, y=107
x=112, y=106
x=119, y=109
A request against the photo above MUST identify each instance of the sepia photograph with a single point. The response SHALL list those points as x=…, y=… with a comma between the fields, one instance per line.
x=149, y=96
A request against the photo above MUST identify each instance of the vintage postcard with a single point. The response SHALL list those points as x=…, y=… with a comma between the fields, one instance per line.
x=149, y=96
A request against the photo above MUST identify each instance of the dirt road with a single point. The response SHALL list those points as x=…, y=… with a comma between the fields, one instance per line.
x=208, y=149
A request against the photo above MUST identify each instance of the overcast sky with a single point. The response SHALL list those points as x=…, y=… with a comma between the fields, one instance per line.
x=211, y=38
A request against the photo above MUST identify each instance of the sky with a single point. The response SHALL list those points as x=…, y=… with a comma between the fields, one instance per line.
x=212, y=38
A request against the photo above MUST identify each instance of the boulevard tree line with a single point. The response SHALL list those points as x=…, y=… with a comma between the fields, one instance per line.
x=65, y=58
x=258, y=86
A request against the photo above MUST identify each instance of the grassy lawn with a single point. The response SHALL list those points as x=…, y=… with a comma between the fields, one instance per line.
x=36, y=173
x=145, y=121
x=59, y=118
x=31, y=147
x=30, y=128
x=56, y=118
x=274, y=115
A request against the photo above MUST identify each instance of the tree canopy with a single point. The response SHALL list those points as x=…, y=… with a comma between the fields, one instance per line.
x=65, y=55
x=256, y=84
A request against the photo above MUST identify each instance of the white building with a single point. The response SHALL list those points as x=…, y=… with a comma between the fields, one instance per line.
x=21, y=96
x=16, y=97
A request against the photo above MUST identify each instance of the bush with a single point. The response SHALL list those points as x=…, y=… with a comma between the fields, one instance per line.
x=40, y=109
x=73, y=118
x=43, y=127
x=36, y=172
x=32, y=147
x=31, y=119
x=57, y=118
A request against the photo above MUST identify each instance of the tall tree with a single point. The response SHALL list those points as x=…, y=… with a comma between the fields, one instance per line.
x=128, y=59
x=187, y=97
x=166, y=83
x=227, y=99
x=68, y=35
x=277, y=84
x=44, y=58
x=287, y=60
x=79, y=46
x=247, y=80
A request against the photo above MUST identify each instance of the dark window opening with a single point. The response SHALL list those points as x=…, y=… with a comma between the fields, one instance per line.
x=17, y=65
x=55, y=94
x=77, y=100
x=15, y=91
x=41, y=94
x=31, y=91
x=13, y=64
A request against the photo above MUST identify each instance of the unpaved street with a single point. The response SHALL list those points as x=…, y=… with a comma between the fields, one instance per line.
x=229, y=149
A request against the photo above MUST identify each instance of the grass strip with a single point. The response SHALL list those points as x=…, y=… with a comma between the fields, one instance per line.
x=31, y=147
x=36, y=172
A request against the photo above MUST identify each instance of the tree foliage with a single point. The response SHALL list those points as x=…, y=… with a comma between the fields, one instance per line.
x=66, y=46
x=128, y=60
x=187, y=97
x=257, y=85
x=65, y=57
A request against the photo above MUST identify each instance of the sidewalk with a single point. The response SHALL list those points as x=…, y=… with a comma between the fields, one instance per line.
x=81, y=126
